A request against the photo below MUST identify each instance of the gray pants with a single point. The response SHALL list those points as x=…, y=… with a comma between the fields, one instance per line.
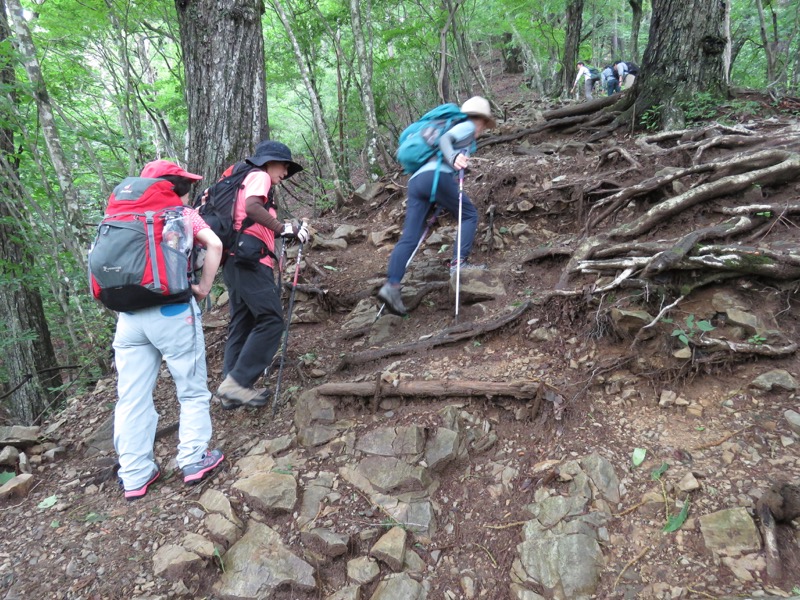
x=143, y=337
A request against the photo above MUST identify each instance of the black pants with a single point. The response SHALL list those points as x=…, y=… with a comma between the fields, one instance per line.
x=256, y=327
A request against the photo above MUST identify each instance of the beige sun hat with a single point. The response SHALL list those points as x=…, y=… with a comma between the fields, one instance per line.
x=478, y=106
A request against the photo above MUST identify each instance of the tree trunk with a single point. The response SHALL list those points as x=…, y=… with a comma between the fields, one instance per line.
x=26, y=338
x=341, y=190
x=636, y=23
x=374, y=147
x=24, y=42
x=683, y=57
x=223, y=57
x=572, y=42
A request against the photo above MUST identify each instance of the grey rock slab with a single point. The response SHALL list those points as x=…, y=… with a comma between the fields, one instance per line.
x=520, y=593
x=567, y=565
x=351, y=233
x=393, y=441
x=328, y=542
x=175, y=562
x=775, y=378
x=314, y=493
x=478, y=286
x=18, y=486
x=442, y=448
x=19, y=436
x=601, y=472
x=328, y=244
x=313, y=408
x=272, y=446
x=223, y=531
x=363, y=315
x=792, y=420
x=363, y=570
x=391, y=548
x=269, y=491
x=630, y=321
x=259, y=563
x=9, y=456
x=351, y=592
x=214, y=501
x=388, y=474
x=255, y=463
x=202, y=546
x=730, y=531
x=399, y=587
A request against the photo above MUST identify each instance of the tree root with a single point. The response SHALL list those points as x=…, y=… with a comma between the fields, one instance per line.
x=526, y=389
x=450, y=335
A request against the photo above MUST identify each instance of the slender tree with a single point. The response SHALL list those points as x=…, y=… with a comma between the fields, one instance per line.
x=223, y=58
x=572, y=43
x=636, y=23
x=341, y=188
x=28, y=359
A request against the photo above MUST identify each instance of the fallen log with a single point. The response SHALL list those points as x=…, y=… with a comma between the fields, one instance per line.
x=582, y=108
x=442, y=387
x=450, y=335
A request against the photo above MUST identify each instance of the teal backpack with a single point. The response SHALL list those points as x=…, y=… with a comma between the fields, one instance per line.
x=419, y=141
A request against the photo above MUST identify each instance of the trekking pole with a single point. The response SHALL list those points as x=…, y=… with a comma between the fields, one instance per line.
x=428, y=224
x=458, y=238
x=275, y=400
x=281, y=264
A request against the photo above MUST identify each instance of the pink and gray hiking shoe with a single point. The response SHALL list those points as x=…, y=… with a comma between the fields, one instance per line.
x=141, y=490
x=207, y=463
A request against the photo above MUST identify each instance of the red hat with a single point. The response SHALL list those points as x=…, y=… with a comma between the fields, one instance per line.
x=159, y=168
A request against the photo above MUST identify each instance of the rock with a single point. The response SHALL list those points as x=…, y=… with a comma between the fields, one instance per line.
x=259, y=563
x=478, y=285
x=331, y=544
x=391, y=548
x=602, y=474
x=442, y=449
x=363, y=570
x=393, y=441
x=351, y=233
x=667, y=398
x=175, y=562
x=688, y=483
x=351, y=592
x=366, y=192
x=792, y=420
x=255, y=463
x=730, y=532
x=381, y=238
x=322, y=243
x=775, y=378
x=399, y=587
x=194, y=542
x=630, y=322
x=19, y=436
x=270, y=492
x=391, y=475
x=9, y=456
x=18, y=486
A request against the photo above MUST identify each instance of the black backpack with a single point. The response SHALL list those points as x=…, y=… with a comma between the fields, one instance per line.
x=633, y=68
x=216, y=203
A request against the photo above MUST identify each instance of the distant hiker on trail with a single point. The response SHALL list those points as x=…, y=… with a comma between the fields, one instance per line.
x=256, y=325
x=626, y=73
x=590, y=76
x=453, y=148
x=172, y=331
x=609, y=80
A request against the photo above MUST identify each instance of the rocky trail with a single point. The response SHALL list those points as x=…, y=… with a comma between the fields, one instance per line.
x=614, y=415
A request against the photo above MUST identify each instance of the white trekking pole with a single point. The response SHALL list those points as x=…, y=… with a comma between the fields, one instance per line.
x=458, y=239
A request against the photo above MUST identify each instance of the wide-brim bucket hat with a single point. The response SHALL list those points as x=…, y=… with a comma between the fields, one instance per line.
x=159, y=168
x=269, y=150
x=478, y=106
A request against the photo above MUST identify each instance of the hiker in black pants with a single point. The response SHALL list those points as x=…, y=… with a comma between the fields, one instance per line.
x=256, y=325
x=453, y=145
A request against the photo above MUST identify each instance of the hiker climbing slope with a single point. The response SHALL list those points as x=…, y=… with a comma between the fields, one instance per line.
x=440, y=171
x=590, y=76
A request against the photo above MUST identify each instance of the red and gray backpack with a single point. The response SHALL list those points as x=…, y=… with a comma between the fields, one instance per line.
x=140, y=256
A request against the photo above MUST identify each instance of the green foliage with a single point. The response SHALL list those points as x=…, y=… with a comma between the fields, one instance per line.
x=656, y=474
x=637, y=456
x=6, y=476
x=694, y=329
x=675, y=522
x=756, y=339
x=702, y=106
x=651, y=118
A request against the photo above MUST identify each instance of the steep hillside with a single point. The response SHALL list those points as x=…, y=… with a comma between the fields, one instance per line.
x=615, y=372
